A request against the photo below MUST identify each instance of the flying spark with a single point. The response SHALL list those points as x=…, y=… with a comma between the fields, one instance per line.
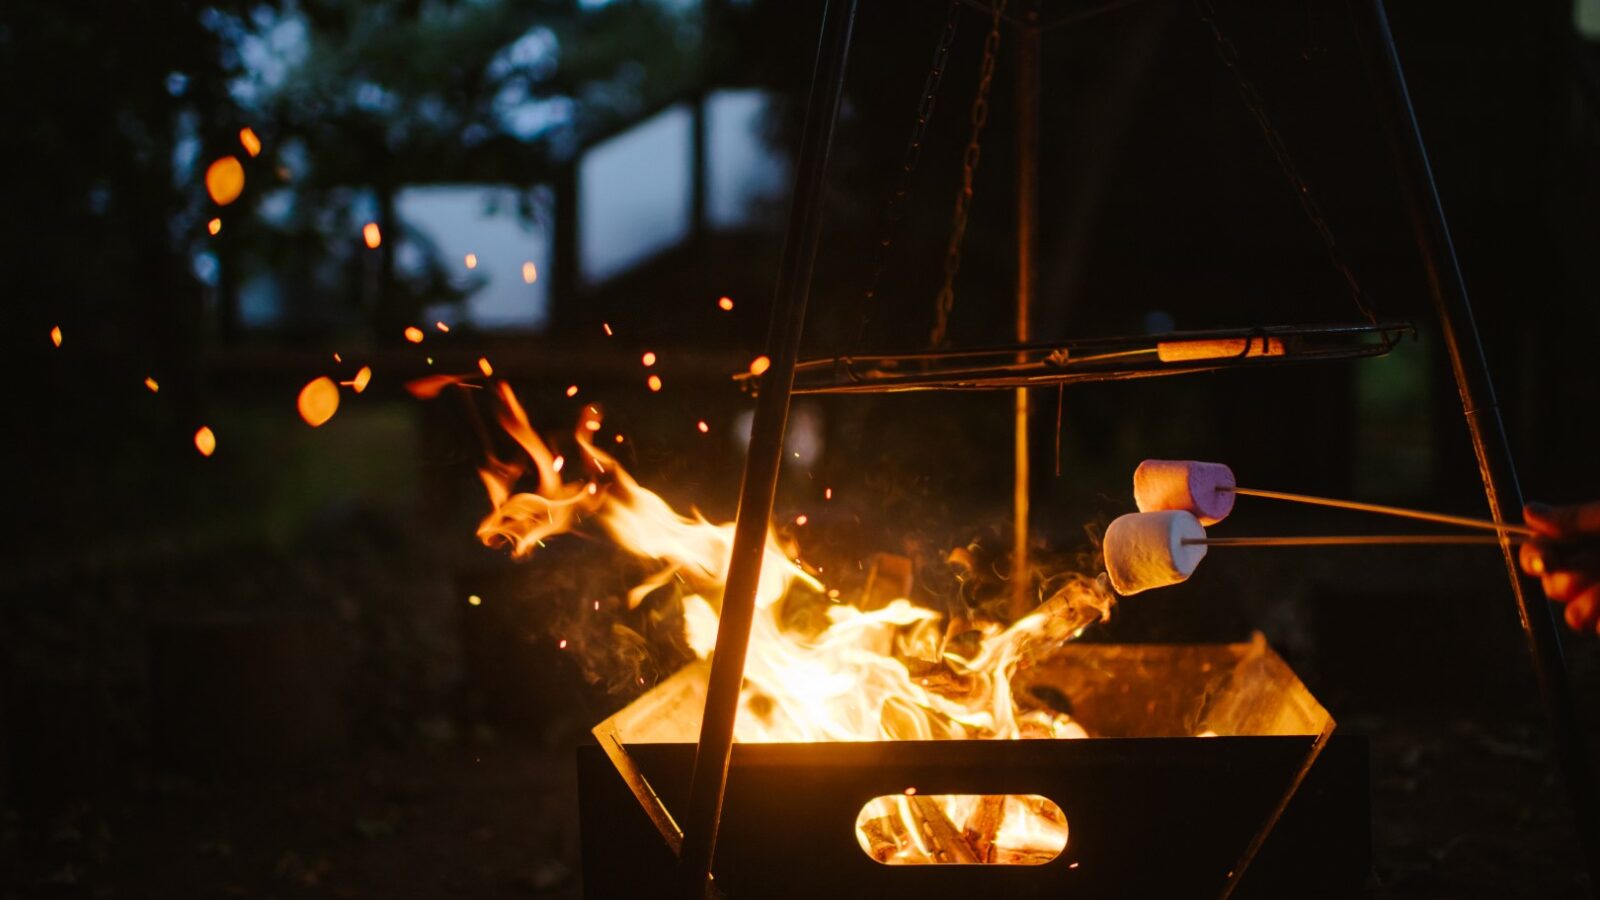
x=413, y=334
x=654, y=383
x=248, y=140
x=371, y=234
x=205, y=441
x=530, y=274
x=214, y=226
x=760, y=364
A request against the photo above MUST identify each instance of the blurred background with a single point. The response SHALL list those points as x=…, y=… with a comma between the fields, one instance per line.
x=245, y=656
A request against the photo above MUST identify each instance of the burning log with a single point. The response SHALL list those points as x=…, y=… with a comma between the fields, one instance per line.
x=940, y=840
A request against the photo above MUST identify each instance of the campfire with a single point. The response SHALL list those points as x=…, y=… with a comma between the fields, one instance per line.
x=826, y=670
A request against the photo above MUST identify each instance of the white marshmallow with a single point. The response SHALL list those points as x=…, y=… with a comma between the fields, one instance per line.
x=1146, y=550
x=1198, y=487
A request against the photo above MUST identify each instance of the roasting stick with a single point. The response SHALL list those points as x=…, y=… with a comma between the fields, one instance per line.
x=1402, y=512
x=1352, y=540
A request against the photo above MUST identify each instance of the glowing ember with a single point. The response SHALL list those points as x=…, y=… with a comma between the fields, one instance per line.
x=801, y=519
x=214, y=226
x=607, y=327
x=225, y=180
x=472, y=260
x=152, y=385
x=363, y=377
x=249, y=141
x=205, y=441
x=558, y=463
x=484, y=367
x=530, y=273
x=371, y=234
x=474, y=600
x=318, y=401
x=429, y=387
x=704, y=428
x=562, y=644
x=55, y=335
x=760, y=364
x=725, y=303
x=653, y=382
x=442, y=327
x=414, y=334
x=827, y=493
x=592, y=424
x=572, y=390
x=649, y=358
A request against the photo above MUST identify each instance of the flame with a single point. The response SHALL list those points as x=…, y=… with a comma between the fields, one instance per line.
x=318, y=401
x=225, y=180
x=847, y=680
x=205, y=441
x=249, y=141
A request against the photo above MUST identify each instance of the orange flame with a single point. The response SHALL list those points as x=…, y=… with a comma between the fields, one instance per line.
x=318, y=401
x=848, y=681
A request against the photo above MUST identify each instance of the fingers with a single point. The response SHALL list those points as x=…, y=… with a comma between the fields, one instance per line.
x=1532, y=555
x=1563, y=521
x=1584, y=611
x=1566, y=584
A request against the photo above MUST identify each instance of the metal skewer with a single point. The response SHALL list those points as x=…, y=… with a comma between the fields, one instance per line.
x=1352, y=540
x=1402, y=512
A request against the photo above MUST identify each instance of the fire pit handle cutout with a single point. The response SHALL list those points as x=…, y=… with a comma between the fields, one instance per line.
x=912, y=829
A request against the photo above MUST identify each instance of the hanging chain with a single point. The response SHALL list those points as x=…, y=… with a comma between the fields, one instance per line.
x=894, y=212
x=969, y=168
x=1280, y=152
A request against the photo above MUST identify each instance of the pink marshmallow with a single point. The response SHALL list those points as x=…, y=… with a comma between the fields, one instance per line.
x=1184, y=484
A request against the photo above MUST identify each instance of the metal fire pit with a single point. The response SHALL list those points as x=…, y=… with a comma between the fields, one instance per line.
x=1154, y=809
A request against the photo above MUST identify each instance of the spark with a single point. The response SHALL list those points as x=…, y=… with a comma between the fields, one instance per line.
x=654, y=383
x=472, y=260
x=413, y=334
x=597, y=606
x=619, y=438
x=725, y=303
x=572, y=390
x=704, y=428
x=318, y=401
x=557, y=463
x=827, y=493
x=561, y=644
x=205, y=441
x=833, y=593
x=911, y=792
x=760, y=364
x=442, y=327
x=55, y=335
x=801, y=519
x=592, y=424
x=337, y=358
x=649, y=358
x=474, y=600
x=530, y=273
x=214, y=226
x=593, y=489
x=484, y=367
x=371, y=234
x=607, y=327
x=225, y=180
x=152, y=385
x=359, y=383
x=248, y=139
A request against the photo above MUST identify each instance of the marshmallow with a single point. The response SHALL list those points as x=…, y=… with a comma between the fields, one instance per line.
x=1184, y=484
x=1147, y=550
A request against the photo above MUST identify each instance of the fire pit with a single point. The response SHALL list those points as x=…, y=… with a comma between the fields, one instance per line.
x=1189, y=747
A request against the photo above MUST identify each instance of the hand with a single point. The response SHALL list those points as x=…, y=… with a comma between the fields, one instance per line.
x=1566, y=558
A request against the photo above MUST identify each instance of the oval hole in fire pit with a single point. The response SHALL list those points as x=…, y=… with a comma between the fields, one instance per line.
x=913, y=829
